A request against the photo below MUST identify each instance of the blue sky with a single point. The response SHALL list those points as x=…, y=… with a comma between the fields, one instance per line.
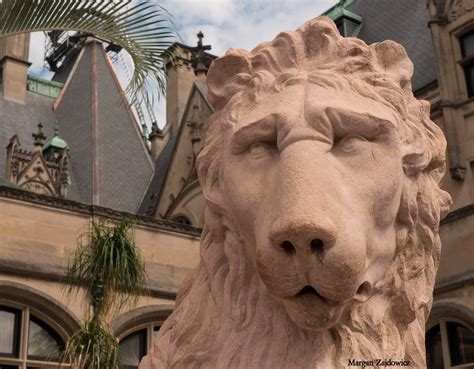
x=225, y=24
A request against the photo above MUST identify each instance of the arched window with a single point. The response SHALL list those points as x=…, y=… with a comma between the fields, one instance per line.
x=136, y=344
x=449, y=344
x=27, y=341
x=182, y=219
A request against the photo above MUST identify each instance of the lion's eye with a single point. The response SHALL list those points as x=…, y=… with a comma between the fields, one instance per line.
x=350, y=143
x=260, y=150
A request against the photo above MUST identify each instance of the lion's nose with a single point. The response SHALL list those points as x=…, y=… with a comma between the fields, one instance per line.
x=305, y=238
x=315, y=246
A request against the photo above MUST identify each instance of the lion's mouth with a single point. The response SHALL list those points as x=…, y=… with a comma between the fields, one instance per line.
x=363, y=293
x=310, y=291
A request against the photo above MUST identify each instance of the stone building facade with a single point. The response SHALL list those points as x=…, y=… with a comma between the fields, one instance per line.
x=450, y=330
x=111, y=171
x=71, y=151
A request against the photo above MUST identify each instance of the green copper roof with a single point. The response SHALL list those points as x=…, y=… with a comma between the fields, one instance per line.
x=340, y=12
x=44, y=87
x=56, y=142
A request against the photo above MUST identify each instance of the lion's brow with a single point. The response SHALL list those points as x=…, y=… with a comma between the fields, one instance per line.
x=276, y=128
x=262, y=129
x=342, y=121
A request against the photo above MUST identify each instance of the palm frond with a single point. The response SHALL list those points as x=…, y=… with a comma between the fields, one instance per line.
x=92, y=347
x=108, y=265
x=143, y=28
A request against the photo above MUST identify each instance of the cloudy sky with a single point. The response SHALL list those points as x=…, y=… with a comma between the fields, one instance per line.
x=225, y=24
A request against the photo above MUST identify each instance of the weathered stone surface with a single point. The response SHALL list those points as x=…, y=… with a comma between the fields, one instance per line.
x=321, y=177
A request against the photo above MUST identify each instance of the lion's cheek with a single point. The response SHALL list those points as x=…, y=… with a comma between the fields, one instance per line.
x=340, y=277
x=282, y=279
x=245, y=192
x=386, y=201
x=380, y=253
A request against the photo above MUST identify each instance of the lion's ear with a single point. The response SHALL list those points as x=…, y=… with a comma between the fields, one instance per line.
x=424, y=145
x=394, y=61
x=227, y=75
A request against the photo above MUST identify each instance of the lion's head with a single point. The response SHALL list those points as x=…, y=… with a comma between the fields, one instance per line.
x=321, y=177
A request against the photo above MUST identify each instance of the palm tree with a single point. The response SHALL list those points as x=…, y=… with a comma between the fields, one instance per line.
x=141, y=27
x=108, y=266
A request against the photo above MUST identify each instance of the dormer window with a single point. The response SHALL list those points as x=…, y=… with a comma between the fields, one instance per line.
x=348, y=23
x=348, y=26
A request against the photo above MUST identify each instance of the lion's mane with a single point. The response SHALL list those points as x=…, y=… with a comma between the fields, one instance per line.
x=223, y=313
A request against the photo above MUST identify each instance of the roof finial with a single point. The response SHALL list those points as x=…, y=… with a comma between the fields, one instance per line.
x=56, y=128
x=199, y=57
x=200, y=36
x=144, y=133
x=39, y=136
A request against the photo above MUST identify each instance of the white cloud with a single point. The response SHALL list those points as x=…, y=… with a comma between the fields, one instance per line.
x=225, y=24
x=37, y=53
x=249, y=23
x=185, y=12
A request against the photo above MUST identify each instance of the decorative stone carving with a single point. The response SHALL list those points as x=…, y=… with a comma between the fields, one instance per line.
x=458, y=8
x=44, y=170
x=321, y=176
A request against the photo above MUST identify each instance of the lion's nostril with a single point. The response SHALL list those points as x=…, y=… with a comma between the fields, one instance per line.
x=317, y=246
x=288, y=247
x=363, y=292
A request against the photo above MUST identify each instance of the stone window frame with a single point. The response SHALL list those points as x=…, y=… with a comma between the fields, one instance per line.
x=456, y=31
x=148, y=317
x=150, y=328
x=443, y=313
x=23, y=361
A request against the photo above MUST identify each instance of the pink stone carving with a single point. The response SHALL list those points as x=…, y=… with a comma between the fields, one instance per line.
x=321, y=176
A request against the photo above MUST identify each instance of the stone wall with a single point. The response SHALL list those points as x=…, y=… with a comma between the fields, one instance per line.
x=38, y=237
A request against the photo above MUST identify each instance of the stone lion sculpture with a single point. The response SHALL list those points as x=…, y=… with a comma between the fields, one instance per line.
x=321, y=176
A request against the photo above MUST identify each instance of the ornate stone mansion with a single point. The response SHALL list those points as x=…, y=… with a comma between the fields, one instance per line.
x=71, y=149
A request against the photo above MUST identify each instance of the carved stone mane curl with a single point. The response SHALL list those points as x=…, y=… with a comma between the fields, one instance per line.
x=223, y=311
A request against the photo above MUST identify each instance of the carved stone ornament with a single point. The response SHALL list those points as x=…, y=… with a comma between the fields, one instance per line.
x=38, y=170
x=460, y=7
x=320, y=173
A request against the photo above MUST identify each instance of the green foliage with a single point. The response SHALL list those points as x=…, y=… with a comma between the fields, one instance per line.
x=108, y=265
x=144, y=29
x=92, y=347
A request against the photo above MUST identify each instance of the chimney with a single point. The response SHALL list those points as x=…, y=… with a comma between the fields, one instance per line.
x=179, y=80
x=190, y=63
x=14, y=51
x=156, y=140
